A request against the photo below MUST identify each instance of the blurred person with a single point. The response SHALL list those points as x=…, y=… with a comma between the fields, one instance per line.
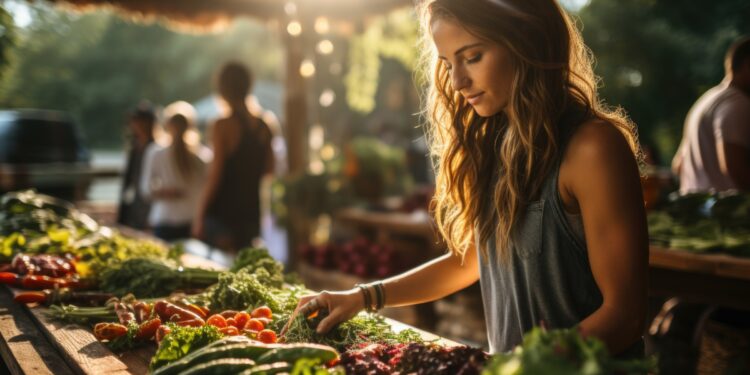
x=173, y=176
x=228, y=216
x=537, y=184
x=133, y=208
x=715, y=150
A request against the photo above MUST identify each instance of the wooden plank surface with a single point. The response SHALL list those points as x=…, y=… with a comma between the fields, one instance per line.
x=83, y=352
x=719, y=265
x=24, y=349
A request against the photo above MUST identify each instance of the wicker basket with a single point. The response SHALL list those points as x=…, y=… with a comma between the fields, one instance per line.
x=724, y=350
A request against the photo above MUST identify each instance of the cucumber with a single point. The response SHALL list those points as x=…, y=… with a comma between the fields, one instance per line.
x=268, y=369
x=241, y=350
x=224, y=366
x=293, y=352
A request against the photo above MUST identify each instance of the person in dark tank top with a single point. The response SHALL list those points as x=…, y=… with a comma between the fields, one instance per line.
x=228, y=216
x=538, y=190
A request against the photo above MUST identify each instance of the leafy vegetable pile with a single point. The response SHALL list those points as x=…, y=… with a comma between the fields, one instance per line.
x=703, y=222
x=363, y=328
x=38, y=224
x=562, y=352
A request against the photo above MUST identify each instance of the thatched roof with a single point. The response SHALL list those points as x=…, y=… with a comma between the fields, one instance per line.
x=209, y=12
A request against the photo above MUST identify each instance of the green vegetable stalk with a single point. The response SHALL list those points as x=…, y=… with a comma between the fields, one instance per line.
x=153, y=278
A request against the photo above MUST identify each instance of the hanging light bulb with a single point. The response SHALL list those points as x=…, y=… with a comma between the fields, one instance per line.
x=294, y=28
x=325, y=47
x=290, y=8
x=327, y=98
x=322, y=25
x=307, y=68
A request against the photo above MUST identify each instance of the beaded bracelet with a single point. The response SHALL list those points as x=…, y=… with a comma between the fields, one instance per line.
x=379, y=294
x=367, y=297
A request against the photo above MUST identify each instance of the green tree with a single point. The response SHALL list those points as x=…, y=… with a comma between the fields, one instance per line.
x=656, y=57
x=98, y=65
x=7, y=38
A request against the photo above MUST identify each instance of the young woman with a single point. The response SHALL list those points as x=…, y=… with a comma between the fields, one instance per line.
x=537, y=185
x=229, y=213
x=173, y=175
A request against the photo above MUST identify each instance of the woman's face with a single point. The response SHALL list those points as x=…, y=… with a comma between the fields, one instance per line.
x=481, y=71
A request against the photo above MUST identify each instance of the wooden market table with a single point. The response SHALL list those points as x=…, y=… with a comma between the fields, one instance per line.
x=714, y=279
x=32, y=343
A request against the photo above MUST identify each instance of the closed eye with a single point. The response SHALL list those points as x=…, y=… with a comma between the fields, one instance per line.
x=474, y=59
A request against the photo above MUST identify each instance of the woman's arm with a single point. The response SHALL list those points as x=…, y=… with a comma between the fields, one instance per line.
x=215, y=171
x=600, y=174
x=430, y=281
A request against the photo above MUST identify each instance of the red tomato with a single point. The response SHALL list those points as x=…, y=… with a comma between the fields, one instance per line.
x=217, y=320
x=232, y=322
x=255, y=325
x=229, y=331
x=262, y=312
x=267, y=336
x=241, y=318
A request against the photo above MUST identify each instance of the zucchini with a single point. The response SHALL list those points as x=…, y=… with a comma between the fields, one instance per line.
x=293, y=352
x=268, y=369
x=222, y=366
x=242, y=350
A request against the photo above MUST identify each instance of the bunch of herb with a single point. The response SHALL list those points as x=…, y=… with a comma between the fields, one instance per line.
x=148, y=277
x=363, y=328
x=563, y=352
x=76, y=314
x=33, y=214
x=181, y=341
x=244, y=289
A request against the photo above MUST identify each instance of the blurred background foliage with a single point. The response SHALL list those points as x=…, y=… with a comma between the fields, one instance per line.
x=655, y=57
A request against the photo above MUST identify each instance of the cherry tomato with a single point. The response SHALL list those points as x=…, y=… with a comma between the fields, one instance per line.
x=217, y=320
x=241, y=318
x=229, y=331
x=267, y=336
x=262, y=312
x=232, y=322
x=255, y=325
x=229, y=314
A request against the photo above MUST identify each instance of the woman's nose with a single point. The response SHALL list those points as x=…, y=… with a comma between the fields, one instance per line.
x=460, y=79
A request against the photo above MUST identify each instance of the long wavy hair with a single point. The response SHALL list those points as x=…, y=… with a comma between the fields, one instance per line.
x=508, y=156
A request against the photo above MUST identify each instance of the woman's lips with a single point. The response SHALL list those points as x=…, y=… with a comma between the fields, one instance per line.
x=474, y=99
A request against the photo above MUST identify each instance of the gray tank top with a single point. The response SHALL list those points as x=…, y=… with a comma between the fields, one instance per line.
x=549, y=279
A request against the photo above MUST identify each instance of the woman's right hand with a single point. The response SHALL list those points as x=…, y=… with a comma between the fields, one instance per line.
x=341, y=307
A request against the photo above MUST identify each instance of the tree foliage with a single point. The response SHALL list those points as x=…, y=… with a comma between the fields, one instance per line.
x=656, y=57
x=98, y=65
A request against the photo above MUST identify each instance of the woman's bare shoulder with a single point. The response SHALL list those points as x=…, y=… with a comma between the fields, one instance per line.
x=596, y=140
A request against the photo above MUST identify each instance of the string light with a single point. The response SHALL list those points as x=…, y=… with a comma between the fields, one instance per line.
x=307, y=68
x=322, y=25
x=290, y=8
x=327, y=97
x=294, y=28
x=325, y=47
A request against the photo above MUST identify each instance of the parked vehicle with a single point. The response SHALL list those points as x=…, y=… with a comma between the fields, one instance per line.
x=43, y=149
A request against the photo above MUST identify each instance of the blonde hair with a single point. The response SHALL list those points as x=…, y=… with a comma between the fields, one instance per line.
x=509, y=155
x=185, y=146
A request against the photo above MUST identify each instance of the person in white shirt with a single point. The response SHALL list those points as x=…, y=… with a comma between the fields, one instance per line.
x=714, y=154
x=173, y=176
